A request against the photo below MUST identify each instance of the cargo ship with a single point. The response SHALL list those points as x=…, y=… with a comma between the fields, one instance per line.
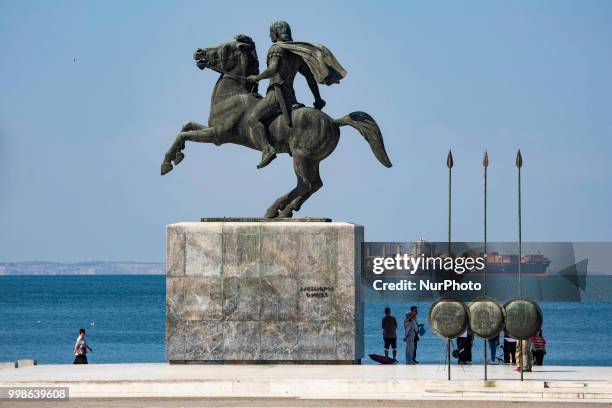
x=535, y=264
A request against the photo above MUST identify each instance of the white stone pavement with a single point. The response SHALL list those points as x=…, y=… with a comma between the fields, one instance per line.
x=317, y=381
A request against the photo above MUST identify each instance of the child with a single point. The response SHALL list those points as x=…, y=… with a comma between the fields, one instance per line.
x=539, y=348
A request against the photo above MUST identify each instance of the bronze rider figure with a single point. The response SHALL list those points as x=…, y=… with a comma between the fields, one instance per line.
x=283, y=65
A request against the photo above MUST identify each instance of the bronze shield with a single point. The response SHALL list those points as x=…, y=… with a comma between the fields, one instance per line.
x=449, y=317
x=487, y=317
x=523, y=318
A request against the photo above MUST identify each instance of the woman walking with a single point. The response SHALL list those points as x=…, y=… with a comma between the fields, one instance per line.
x=80, y=349
x=523, y=355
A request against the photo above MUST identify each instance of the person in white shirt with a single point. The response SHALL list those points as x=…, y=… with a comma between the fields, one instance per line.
x=415, y=310
x=462, y=344
x=410, y=330
x=509, y=349
x=80, y=349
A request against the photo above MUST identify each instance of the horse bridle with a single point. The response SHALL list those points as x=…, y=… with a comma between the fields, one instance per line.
x=241, y=79
x=238, y=78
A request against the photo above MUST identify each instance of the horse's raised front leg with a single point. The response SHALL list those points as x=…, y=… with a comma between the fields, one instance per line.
x=192, y=131
x=189, y=126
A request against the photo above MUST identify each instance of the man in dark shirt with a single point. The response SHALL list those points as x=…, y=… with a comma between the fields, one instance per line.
x=389, y=327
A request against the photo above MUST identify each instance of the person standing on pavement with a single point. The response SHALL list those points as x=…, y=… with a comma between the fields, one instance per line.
x=493, y=345
x=538, y=346
x=389, y=327
x=509, y=348
x=523, y=355
x=410, y=332
x=415, y=310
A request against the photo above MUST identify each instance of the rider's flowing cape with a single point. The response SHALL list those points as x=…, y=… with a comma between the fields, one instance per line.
x=322, y=63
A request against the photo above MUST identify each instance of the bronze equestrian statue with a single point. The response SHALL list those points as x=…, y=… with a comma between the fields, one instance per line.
x=275, y=123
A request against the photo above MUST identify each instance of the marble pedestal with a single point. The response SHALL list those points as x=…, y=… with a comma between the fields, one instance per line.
x=264, y=292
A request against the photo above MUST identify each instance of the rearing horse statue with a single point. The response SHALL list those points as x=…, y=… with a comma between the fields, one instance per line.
x=312, y=136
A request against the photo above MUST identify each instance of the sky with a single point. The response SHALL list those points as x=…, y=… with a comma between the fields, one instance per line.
x=93, y=93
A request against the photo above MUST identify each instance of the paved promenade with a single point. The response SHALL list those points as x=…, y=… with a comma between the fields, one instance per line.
x=371, y=382
x=206, y=402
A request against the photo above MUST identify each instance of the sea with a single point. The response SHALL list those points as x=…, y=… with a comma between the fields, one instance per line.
x=124, y=316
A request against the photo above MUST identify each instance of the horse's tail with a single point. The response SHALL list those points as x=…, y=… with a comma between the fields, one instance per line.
x=366, y=125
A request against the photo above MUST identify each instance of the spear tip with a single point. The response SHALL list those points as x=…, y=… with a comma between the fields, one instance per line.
x=449, y=160
x=519, y=159
x=485, y=160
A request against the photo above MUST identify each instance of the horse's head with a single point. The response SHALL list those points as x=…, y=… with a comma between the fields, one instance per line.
x=237, y=57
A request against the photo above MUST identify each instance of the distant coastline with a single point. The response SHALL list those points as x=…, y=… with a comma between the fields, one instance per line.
x=41, y=268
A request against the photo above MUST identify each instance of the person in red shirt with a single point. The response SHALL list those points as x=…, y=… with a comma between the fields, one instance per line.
x=538, y=345
x=389, y=326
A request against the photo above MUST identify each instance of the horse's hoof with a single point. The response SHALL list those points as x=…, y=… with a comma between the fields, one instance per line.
x=178, y=158
x=285, y=214
x=166, y=168
x=271, y=213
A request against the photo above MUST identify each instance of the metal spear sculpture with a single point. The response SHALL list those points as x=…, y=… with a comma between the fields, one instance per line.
x=449, y=164
x=519, y=164
x=485, y=165
x=523, y=316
